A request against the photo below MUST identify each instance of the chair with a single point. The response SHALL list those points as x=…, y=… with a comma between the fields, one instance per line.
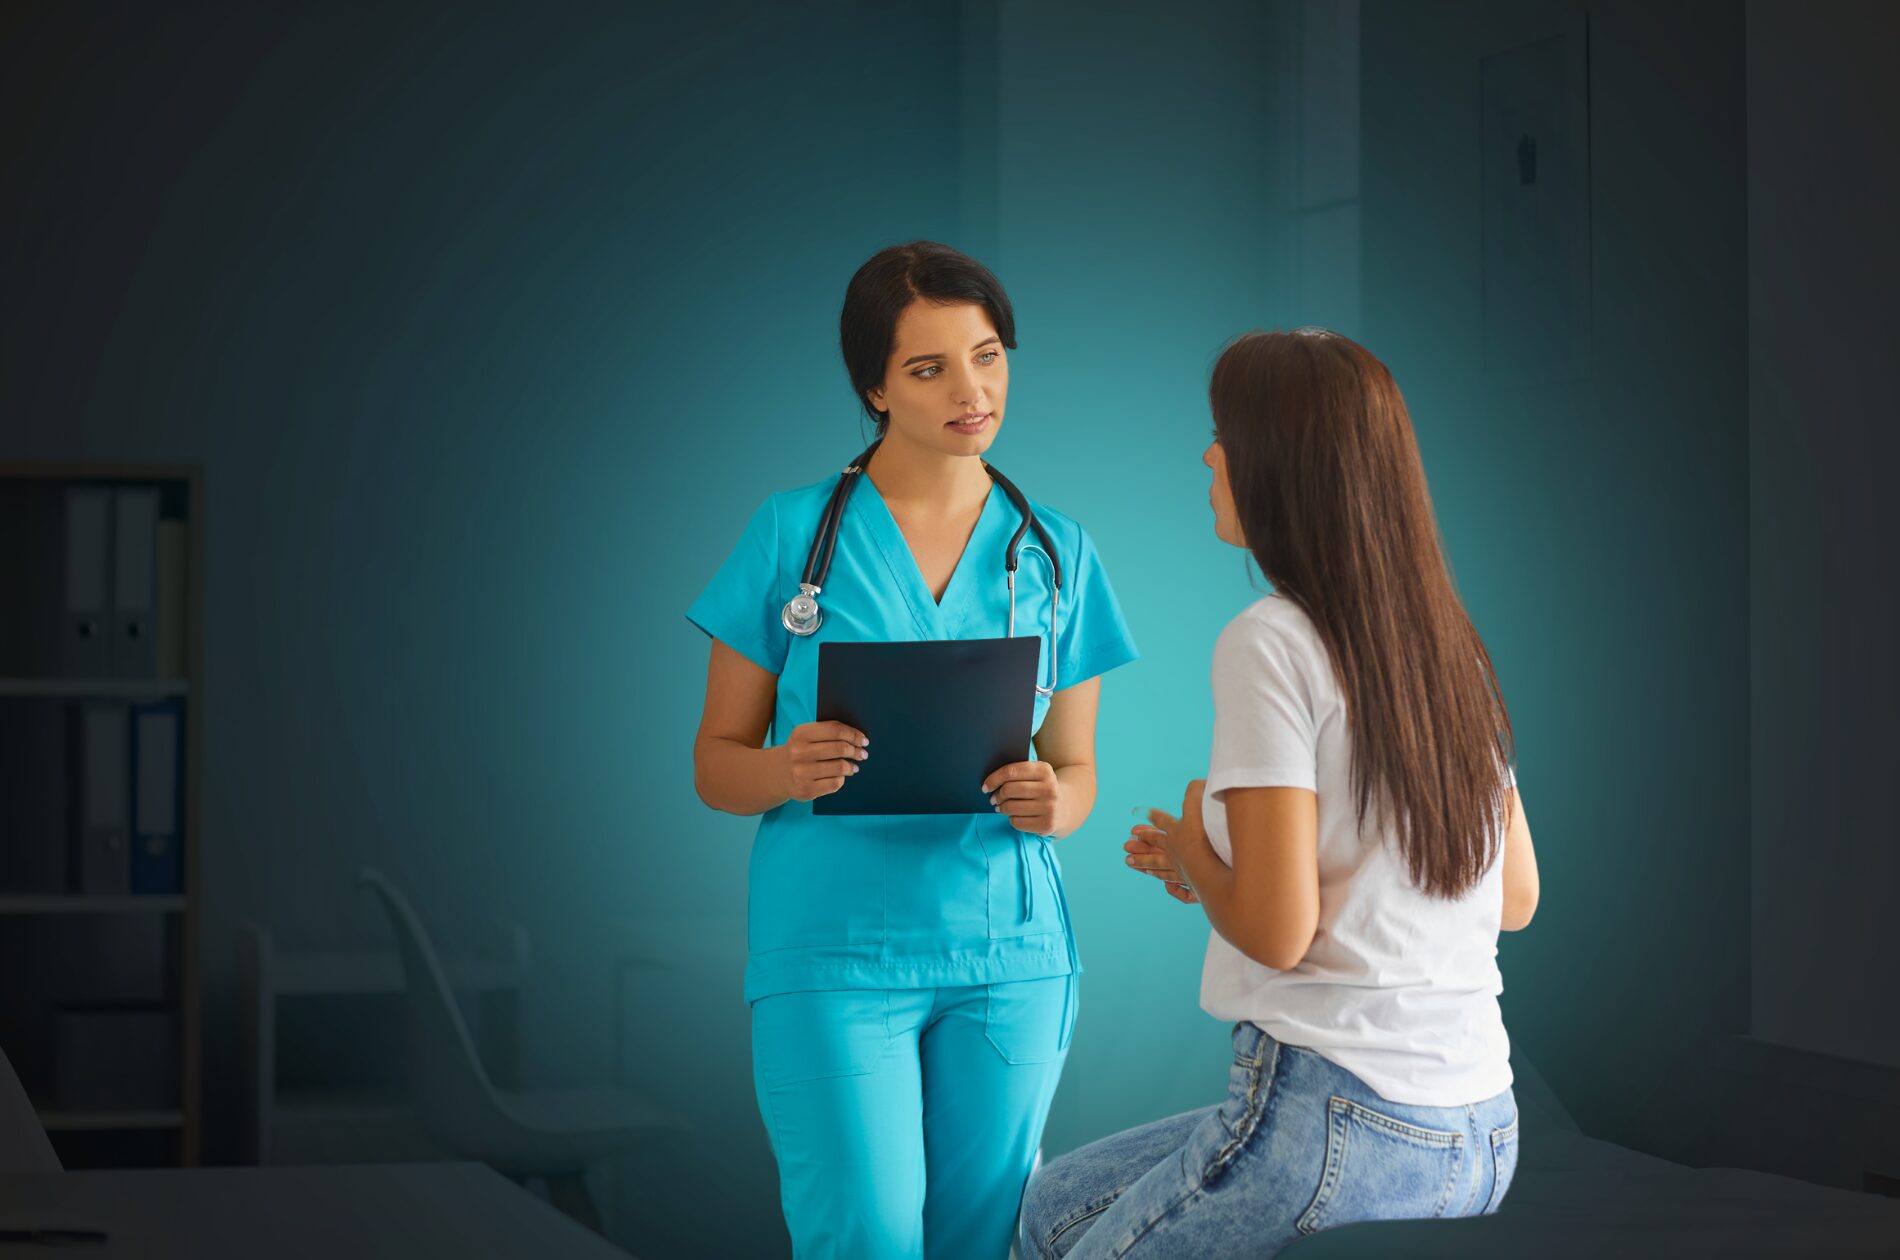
x=551, y=1134
x=24, y=1147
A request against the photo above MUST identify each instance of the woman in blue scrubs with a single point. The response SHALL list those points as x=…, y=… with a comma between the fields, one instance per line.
x=912, y=978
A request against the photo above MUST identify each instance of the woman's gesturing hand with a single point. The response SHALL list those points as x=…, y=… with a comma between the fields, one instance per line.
x=1156, y=849
x=821, y=756
x=1151, y=859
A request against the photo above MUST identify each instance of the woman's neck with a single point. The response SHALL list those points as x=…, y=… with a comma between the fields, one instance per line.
x=927, y=480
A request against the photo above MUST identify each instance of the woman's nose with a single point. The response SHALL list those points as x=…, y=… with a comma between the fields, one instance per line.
x=967, y=391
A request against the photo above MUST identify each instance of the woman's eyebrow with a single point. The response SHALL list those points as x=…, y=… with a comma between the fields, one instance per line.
x=919, y=358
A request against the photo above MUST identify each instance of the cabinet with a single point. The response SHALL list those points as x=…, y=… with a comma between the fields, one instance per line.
x=99, y=842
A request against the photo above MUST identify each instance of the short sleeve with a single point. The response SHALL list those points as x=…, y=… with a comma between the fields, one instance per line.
x=1264, y=730
x=1093, y=636
x=740, y=605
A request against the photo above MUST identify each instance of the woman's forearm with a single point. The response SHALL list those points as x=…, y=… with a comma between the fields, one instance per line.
x=1213, y=882
x=1076, y=800
x=1248, y=927
x=740, y=779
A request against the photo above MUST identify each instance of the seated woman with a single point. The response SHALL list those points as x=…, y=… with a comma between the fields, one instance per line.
x=1357, y=845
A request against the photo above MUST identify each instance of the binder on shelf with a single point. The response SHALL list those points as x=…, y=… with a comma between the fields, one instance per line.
x=157, y=868
x=135, y=583
x=35, y=812
x=173, y=594
x=86, y=651
x=33, y=628
x=102, y=862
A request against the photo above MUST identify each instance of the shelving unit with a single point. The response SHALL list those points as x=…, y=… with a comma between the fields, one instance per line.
x=57, y=945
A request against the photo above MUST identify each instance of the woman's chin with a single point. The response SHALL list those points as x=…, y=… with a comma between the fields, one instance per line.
x=955, y=443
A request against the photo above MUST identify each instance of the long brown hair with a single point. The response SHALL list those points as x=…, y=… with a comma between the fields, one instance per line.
x=1330, y=493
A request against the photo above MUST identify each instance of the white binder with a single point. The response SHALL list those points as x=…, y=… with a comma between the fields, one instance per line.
x=87, y=633
x=173, y=593
x=102, y=777
x=135, y=584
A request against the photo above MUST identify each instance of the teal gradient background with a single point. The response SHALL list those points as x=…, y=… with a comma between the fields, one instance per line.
x=490, y=326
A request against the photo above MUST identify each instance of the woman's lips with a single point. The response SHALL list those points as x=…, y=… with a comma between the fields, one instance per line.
x=969, y=426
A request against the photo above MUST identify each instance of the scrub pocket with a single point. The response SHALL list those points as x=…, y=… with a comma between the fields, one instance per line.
x=1503, y=1163
x=808, y=1036
x=1381, y=1168
x=1030, y=1021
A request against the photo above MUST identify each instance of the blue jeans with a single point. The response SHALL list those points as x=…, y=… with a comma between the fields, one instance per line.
x=1300, y=1145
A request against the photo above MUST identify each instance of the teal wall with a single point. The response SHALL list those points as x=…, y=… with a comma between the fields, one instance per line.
x=1140, y=224
x=490, y=328
x=1597, y=526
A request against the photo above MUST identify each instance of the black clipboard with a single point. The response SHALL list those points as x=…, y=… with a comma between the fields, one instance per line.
x=941, y=715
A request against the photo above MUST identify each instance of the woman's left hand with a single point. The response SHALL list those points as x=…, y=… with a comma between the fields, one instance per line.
x=1029, y=793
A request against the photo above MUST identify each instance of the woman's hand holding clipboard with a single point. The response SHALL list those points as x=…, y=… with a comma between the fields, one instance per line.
x=820, y=756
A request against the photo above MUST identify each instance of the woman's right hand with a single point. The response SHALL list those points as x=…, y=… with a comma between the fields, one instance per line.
x=821, y=756
x=1149, y=858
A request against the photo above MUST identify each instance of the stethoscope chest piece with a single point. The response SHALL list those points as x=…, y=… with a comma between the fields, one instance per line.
x=802, y=615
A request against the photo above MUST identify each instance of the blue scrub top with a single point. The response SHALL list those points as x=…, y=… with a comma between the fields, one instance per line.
x=910, y=900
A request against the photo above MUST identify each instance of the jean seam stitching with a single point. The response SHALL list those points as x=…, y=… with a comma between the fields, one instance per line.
x=1187, y=1196
x=1399, y=1128
x=1336, y=1134
x=1078, y=1218
x=1250, y=1113
x=1499, y=1137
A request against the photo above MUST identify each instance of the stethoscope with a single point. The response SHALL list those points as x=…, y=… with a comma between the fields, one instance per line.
x=802, y=615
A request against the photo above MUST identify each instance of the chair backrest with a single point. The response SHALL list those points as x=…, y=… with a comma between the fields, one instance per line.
x=24, y=1146
x=452, y=1089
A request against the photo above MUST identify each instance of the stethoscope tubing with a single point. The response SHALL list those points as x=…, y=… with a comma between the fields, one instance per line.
x=802, y=615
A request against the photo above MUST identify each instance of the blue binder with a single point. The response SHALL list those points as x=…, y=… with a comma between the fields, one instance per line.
x=158, y=798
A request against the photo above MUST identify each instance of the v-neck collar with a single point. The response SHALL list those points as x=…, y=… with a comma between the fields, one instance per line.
x=934, y=620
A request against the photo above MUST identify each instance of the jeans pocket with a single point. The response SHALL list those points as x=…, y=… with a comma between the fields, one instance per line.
x=811, y=1035
x=1382, y=1168
x=1503, y=1164
x=1030, y=1021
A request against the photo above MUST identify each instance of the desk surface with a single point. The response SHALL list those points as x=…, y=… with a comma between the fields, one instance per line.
x=362, y=1211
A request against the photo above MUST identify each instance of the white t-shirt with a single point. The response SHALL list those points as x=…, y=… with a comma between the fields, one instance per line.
x=1398, y=988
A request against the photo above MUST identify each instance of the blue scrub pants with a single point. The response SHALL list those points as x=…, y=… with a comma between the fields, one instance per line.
x=906, y=1121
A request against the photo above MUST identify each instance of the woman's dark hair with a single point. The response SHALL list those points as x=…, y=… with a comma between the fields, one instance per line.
x=1330, y=493
x=891, y=280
